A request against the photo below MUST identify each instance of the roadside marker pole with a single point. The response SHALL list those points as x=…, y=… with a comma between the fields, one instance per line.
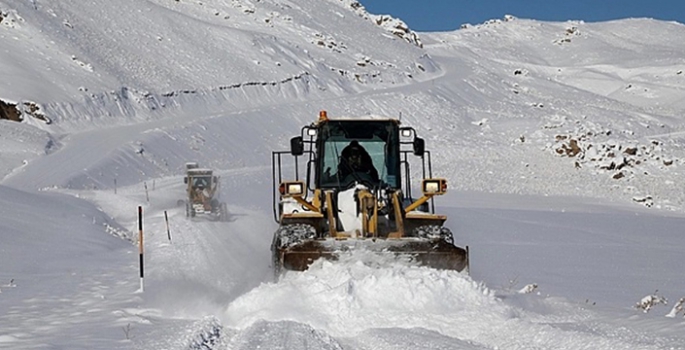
x=147, y=197
x=140, y=241
x=166, y=218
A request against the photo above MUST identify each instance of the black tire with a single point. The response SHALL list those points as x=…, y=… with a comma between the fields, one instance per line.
x=434, y=231
x=275, y=261
x=286, y=236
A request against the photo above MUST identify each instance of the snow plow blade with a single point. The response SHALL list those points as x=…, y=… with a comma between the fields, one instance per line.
x=435, y=253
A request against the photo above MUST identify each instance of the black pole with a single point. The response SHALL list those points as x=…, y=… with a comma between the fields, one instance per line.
x=140, y=240
x=166, y=218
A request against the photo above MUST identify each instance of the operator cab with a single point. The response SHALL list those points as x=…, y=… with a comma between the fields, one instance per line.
x=351, y=151
x=200, y=178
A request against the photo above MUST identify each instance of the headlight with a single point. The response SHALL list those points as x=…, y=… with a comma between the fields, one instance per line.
x=294, y=189
x=289, y=189
x=311, y=132
x=405, y=133
x=434, y=186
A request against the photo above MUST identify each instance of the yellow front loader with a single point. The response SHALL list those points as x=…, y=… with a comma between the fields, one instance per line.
x=352, y=185
x=202, y=192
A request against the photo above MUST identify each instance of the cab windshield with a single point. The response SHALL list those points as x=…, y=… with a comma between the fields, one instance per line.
x=201, y=181
x=341, y=141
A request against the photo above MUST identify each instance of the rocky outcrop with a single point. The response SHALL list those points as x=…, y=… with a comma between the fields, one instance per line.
x=16, y=112
x=393, y=25
x=9, y=111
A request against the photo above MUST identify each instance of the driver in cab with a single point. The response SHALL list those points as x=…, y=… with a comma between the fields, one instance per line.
x=356, y=162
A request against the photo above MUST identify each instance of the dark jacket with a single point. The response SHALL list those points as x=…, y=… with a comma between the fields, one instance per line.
x=345, y=168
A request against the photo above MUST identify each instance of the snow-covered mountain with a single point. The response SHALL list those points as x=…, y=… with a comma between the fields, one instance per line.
x=562, y=144
x=114, y=59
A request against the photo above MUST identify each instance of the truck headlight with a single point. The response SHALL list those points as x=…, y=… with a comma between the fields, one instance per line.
x=291, y=188
x=434, y=186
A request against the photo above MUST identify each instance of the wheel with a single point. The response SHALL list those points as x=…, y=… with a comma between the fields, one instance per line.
x=287, y=236
x=275, y=259
x=434, y=231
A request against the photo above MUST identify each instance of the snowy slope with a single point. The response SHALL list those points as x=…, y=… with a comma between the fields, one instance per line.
x=55, y=254
x=112, y=60
x=531, y=123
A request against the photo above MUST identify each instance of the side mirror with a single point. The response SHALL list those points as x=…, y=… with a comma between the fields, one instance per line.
x=419, y=146
x=185, y=180
x=215, y=179
x=296, y=146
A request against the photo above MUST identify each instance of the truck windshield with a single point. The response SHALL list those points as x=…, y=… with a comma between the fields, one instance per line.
x=202, y=181
x=365, y=151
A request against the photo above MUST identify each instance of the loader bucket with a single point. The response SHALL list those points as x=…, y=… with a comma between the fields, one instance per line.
x=435, y=253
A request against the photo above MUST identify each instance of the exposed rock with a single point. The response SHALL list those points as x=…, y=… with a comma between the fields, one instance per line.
x=9, y=111
x=399, y=29
x=571, y=149
x=32, y=109
x=393, y=25
x=15, y=113
x=621, y=161
x=646, y=200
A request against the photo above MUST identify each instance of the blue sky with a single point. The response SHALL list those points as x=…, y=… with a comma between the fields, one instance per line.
x=441, y=15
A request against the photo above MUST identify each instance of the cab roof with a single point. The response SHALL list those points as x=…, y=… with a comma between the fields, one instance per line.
x=199, y=171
